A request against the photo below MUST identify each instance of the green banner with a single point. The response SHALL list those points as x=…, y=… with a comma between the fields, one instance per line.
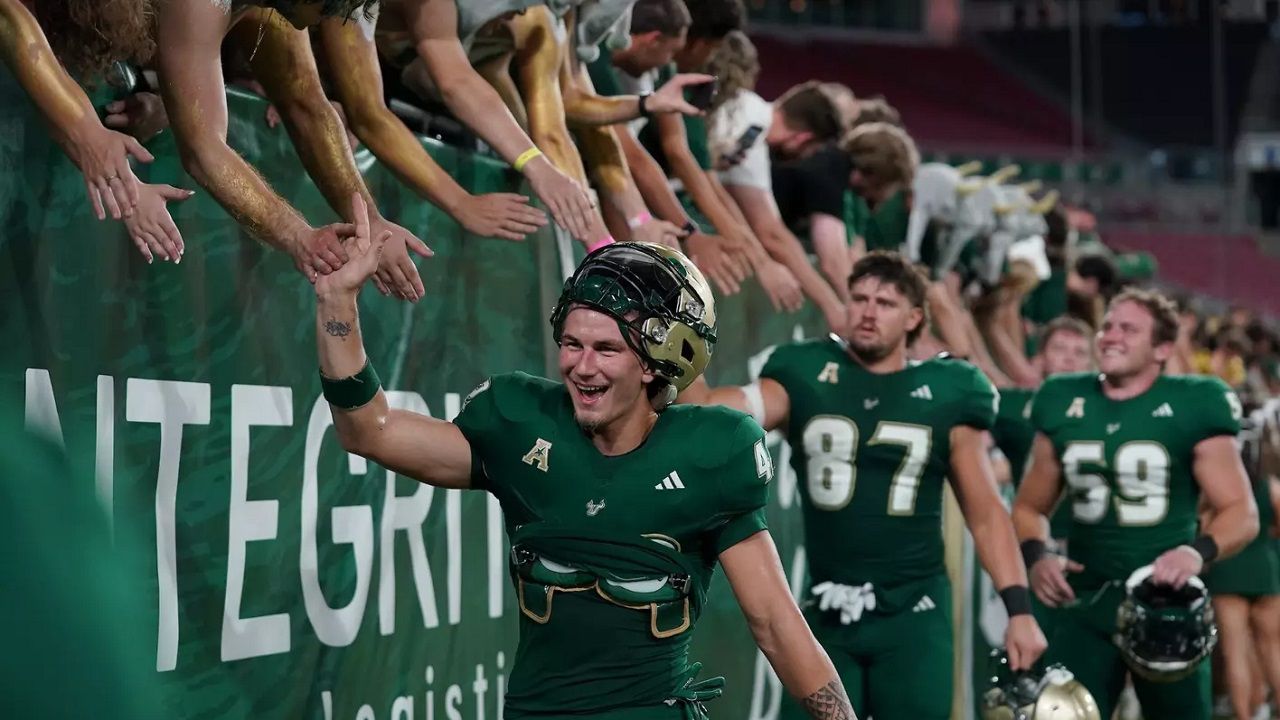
x=283, y=578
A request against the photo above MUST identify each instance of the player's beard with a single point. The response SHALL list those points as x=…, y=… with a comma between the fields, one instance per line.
x=872, y=352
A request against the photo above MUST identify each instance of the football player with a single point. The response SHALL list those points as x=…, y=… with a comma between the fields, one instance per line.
x=1135, y=450
x=616, y=519
x=1066, y=346
x=874, y=437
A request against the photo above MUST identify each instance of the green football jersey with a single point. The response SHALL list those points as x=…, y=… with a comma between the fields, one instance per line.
x=1127, y=465
x=1013, y=432
x=612, y=556
x=871, y=453
x=1014, y=435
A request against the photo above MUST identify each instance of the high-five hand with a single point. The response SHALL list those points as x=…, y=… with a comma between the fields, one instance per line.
x=363, y=254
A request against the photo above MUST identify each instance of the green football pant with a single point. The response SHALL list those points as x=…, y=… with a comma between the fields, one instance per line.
x=893, y=666
x=1082, y=642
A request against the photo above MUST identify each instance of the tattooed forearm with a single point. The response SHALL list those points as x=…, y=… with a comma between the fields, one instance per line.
x=829, y=703
x=337, y=329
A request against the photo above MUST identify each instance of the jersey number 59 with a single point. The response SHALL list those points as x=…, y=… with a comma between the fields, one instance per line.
x=1142, y=482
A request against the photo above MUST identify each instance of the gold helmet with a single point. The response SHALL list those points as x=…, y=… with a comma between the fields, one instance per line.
x=1054, y=694
x=661, y=301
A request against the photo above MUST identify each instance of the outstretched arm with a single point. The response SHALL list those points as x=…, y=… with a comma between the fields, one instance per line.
x=354, y=73
x=423, y=448
x=190, y=36
x=102, y=155
x=765, y=399
x=283, y=63
x=434, y=25
x=755, y=574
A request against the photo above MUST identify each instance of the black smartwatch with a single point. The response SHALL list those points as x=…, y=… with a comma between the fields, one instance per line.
x=644, y=99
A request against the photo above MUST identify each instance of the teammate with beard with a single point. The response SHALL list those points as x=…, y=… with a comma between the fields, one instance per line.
x=874, y=436
x=1136, y=451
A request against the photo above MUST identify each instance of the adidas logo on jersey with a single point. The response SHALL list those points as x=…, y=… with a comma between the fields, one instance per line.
x=926, y=603
x=1163, y=411
x=670, y=482
x=922, y=393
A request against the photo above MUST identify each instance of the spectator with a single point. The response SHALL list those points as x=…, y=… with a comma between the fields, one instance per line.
x=883, y=158
x=352, y=68
x=555, y=92
x=658, y=30
x=90, y=36
x=739, y=120
x=191, y=33
x=809, y=174
x=877, y=109
x=1092, y=280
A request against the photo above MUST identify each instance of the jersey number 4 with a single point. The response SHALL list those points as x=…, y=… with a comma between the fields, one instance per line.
x=831, y=446
x=1142, y=482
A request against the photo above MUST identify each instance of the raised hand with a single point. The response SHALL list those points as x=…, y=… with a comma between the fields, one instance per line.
x=102, y=155
x=780, y=285
x=670, y=97
x=362, y=253
x=152, y=228
x=569, y=204
x=397, y=275
x=658, y=232
x=499, y=215
x=711, y=254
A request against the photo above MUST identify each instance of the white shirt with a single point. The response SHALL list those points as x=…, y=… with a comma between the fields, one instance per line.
x=728, y=128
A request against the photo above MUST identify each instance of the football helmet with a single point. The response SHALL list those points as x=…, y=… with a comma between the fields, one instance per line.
x=661, y=301
x=1163, y=632
x=1053, y=694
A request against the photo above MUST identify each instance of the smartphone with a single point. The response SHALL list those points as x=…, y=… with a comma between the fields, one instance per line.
x=748, y=139
x=700, y=96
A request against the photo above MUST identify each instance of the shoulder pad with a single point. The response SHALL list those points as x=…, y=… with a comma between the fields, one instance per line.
x=719, y=433
x=521, y=397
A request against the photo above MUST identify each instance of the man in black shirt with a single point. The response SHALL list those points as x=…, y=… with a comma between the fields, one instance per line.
x=811, y=174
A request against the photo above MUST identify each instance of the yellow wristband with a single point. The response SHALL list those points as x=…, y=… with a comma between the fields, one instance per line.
x=525, y=157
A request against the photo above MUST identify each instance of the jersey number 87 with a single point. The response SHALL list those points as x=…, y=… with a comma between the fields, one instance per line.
x=831, y=446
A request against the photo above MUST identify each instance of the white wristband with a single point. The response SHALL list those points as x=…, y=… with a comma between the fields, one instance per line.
x=755, y=401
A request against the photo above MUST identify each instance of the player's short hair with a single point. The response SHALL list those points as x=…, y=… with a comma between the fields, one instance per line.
x=668, y=17
x=713, y=19
x=892, y=267
x=1067, y=324
x=1163, y=311
x=876, y=109
x=882, y=151
x=809, y=107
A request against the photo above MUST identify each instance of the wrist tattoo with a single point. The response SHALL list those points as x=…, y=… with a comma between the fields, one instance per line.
x=337, y=329
x=829, y=703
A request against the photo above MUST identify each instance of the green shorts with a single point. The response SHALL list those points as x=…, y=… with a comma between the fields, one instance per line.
x=1253, y=572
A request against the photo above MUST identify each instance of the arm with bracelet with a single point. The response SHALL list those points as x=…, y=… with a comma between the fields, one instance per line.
x=1224, y=486
x=974, y=483
x=1041, y=487
x=423, y=448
